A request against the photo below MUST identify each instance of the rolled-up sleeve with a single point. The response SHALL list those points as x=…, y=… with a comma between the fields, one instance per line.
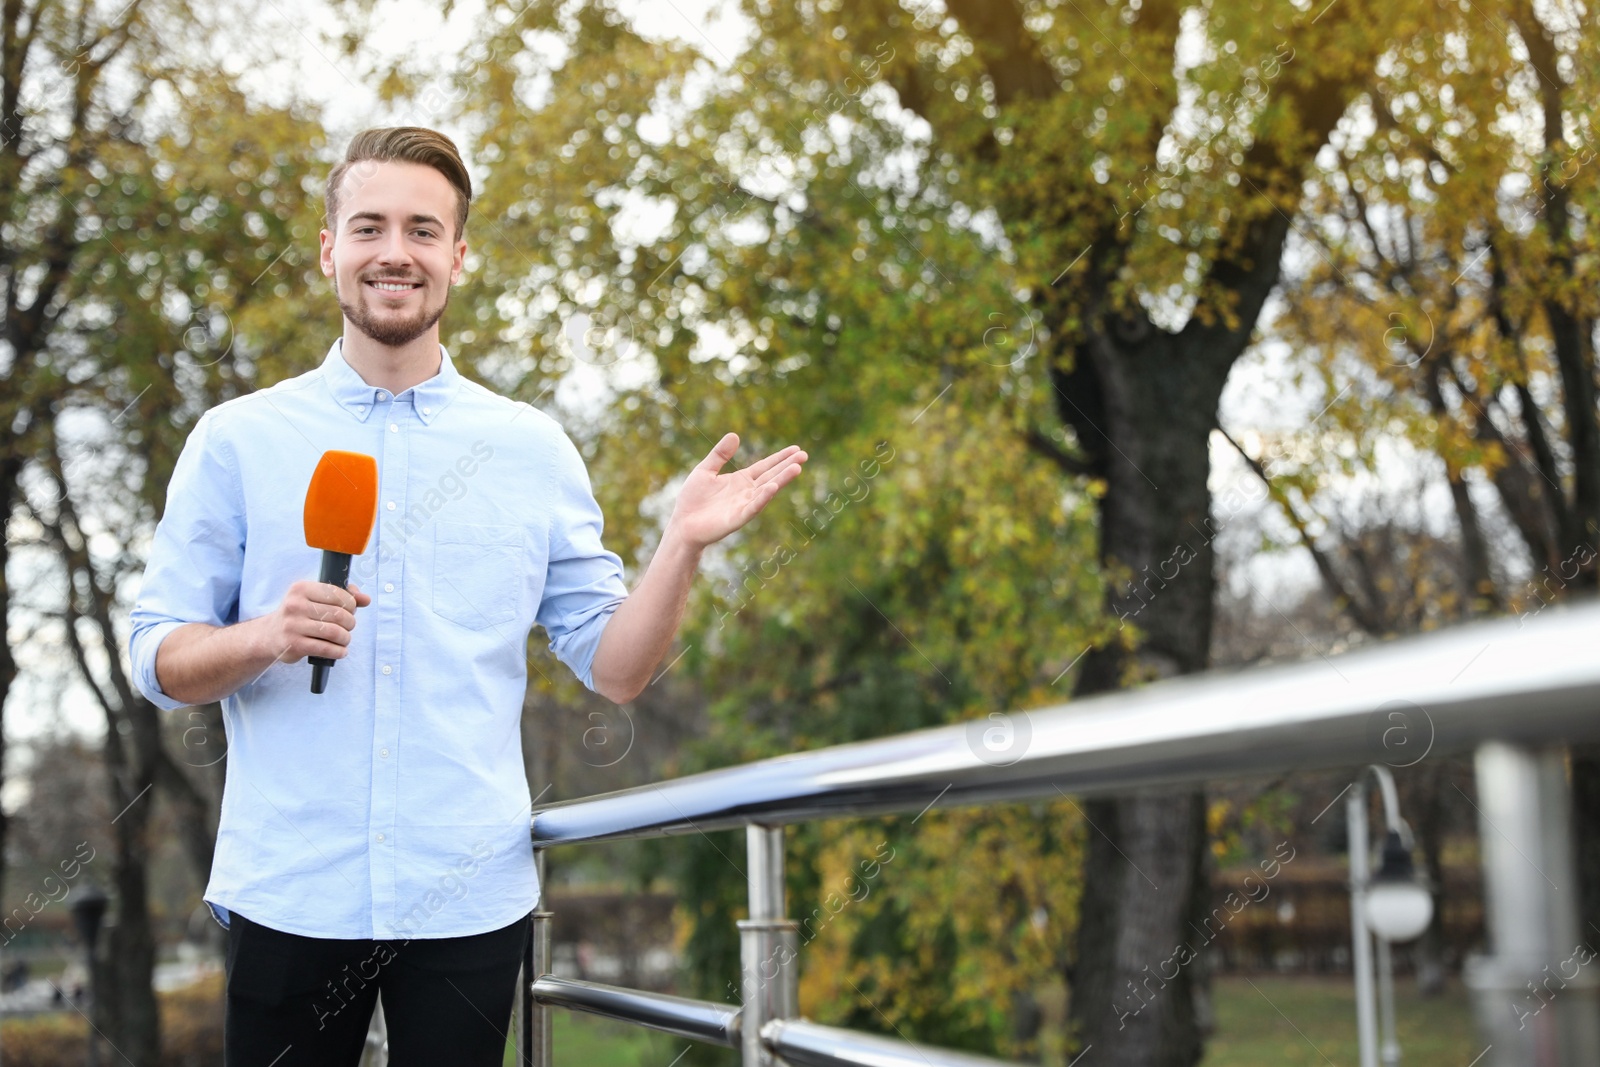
x=583, y=583
x=193, y=572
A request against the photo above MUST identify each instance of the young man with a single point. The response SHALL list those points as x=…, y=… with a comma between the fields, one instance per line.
x=375, y=838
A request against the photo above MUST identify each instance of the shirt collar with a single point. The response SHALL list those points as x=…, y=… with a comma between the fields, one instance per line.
x=352, y=392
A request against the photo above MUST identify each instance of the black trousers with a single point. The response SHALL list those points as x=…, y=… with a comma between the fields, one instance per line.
x=296, y=1001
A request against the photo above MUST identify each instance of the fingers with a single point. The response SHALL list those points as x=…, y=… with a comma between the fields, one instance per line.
x=362, y=599
x=762, y=467
x=778, y=479
x=721, y=452
x=307, y=635
x=326, y=637
x=768, y=489
x=324, y=594
x=323, y=612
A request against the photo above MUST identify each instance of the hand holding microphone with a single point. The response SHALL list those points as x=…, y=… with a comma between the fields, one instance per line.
x=341, y=508
x=315, y=619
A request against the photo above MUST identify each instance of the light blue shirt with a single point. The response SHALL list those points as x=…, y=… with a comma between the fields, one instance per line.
x=395, y=804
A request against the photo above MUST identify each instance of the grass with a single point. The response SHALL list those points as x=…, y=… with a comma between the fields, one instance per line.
x=1262, y=1021
x=581, y=1040
x=1266, y=1021
x=1311, y=1022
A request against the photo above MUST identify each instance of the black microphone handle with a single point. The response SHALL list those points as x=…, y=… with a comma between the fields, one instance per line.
x=335, y=571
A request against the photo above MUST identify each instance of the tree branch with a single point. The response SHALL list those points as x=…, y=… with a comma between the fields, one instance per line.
x=1008, y=52
x=1249, y=261
x=1069, y=464
x=1358, y=611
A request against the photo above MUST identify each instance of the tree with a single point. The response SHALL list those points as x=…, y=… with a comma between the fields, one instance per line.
x=1068, y=217
x=149, y=208
x=1453, y=305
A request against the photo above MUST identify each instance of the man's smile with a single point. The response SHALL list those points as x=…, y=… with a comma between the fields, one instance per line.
x=394, y=289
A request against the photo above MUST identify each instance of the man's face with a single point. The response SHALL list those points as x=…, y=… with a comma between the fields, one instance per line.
x=393, y=257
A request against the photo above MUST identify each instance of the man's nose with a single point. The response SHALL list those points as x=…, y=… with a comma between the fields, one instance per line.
x=394, y=248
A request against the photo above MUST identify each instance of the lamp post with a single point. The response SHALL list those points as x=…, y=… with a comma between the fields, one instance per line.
x=1392, y=905
x=87, y=912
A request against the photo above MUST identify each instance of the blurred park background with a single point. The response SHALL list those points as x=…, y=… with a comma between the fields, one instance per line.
x=1129, y=338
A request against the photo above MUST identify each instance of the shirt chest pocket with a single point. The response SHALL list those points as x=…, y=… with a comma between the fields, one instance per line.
x=478, y=573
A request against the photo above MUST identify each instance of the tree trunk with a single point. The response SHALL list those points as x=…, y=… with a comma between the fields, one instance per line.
x=1427, y=800
x=126, y=1011
x=1586, y=843
x=1143, y=408
x=10, y=469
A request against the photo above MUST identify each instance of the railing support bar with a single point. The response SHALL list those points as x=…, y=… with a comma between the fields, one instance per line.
x=1360, y=937
x=768, y=947
x=536, y=1048
x=1536, y=1001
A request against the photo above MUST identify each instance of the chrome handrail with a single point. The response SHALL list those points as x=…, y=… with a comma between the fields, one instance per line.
x=699, y=1020
x=808, y=1044
x=1513, y=689
x=1392, y=703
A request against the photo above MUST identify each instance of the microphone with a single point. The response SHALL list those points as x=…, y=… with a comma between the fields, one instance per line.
x=341, y=508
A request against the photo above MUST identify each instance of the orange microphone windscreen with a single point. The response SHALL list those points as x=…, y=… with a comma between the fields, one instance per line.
x=342, y=503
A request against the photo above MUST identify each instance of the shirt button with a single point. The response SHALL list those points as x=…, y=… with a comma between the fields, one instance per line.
x=427, y=411
x=388, y=587
x=391, y=505
x=393, y=428
x=387, y=669
x=361, y=408
x=382, y=395
x=383, y=752
x=380, y=837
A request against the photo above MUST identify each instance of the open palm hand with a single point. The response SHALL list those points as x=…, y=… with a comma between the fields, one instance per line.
x=712, y=505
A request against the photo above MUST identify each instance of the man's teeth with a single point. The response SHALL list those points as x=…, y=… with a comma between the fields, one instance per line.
x=393, y=287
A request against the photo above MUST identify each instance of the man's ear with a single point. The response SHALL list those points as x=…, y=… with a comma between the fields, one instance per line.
x=325, y=240
x=456, y=264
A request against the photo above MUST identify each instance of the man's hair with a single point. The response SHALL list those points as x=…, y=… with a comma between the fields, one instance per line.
x=402, y=144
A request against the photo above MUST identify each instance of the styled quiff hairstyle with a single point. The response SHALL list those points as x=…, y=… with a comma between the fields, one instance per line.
x=401, y=144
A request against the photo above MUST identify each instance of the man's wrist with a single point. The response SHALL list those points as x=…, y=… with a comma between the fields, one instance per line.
x=676, y=549
x=257, y=641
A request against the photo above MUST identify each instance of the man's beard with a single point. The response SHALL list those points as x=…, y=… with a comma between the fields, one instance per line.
x=388, y=329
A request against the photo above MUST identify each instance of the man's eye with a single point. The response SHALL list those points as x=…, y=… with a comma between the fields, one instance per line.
x=426, y=233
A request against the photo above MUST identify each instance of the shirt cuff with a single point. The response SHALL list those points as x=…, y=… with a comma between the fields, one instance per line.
x=142, y=648
x=576, y=647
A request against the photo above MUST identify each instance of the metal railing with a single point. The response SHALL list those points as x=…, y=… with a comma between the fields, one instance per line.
x=1515, y=692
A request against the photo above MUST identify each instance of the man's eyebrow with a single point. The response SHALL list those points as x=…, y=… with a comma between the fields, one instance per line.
x=373, y=216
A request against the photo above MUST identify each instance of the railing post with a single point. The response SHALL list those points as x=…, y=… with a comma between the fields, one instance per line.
x=1360, y=937
x=768, y=947
x=1536, y=998
x=534, y=1046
